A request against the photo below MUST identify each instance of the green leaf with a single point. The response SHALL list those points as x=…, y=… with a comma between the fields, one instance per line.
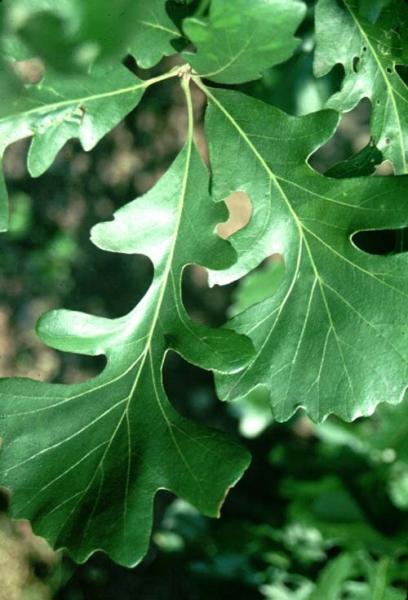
x=369, y=53
x=258, y=285
x=371, y=9
x=241, y=39
x=70, y=34
x=360, y=165
x=333, y=576
x=84, y=461
x=333, y=336
x=153, y=33
x=60, y=108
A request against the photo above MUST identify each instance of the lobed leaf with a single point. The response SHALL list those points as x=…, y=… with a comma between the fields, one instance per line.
x=154, y=33
x=241, y=39
x=332, y=339
x=369, y=54
x=60, y=108
x=84, y=461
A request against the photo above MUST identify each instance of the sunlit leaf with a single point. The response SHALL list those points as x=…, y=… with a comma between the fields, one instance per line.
x=84, y=461
x=333, y=337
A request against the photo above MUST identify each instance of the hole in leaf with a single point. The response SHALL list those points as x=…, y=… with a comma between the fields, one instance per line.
x=361, y=164
x=351, y=136
x=381, y=242
x=29, y=71
x=364, y=48
x=355, y=66
x=387, y=141
x=40, y=568
x=203, y=304
x=76, y=368
x=5, y=496
x=389, y=70
x=385, y=169
x=240, y=210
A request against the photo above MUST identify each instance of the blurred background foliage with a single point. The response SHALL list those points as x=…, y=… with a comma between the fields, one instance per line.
x=322, y=513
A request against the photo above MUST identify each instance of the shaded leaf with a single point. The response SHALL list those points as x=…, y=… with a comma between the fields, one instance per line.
x=361, y=164
x=153, y=33
x=241, y=39
x=333, y=336
x=369, y=53
x=371, y=9
x=69, y=34
x=333, y=576
x=84, y=461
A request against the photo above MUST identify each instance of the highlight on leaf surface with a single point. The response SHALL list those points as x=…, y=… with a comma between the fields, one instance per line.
x=84, y=461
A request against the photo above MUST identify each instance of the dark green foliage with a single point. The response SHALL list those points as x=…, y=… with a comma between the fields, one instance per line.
x=327, y=332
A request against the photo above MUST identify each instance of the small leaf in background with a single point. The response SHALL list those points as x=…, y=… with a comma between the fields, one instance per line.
x=241, y=39
x=398, y=485
x=70, y=35
x=369, y=54
x=258, y=285
x=332, y=577
x=253, y=412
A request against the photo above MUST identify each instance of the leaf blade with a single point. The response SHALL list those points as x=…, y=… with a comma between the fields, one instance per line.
x=98, y=451
x=235, y=44
x=311, y=336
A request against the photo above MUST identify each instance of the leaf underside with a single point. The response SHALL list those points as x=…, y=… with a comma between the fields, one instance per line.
x=84, y=461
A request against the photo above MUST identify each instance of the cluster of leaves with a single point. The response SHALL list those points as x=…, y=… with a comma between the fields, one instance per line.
x=331, y=338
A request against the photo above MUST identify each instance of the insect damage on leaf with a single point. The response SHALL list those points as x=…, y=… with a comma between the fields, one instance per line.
x=321, y=342
x=369, y=53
